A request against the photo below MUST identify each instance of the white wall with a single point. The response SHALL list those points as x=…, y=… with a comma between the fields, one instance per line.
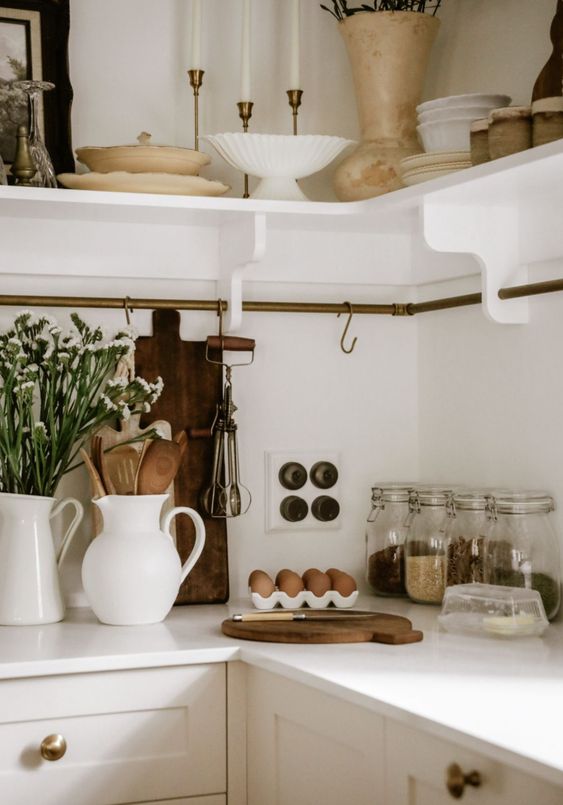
x=477, y=424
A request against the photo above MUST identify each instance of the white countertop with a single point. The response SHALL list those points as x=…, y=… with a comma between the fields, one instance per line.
x=502, y=697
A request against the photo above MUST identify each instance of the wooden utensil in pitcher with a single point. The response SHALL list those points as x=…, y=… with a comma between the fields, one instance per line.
x=121, y=463
x=159, y=467
x=98, y=489
x=101, y=466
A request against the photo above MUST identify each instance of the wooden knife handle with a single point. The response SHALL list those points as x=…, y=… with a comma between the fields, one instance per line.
x=231, y=343
x=264, y=616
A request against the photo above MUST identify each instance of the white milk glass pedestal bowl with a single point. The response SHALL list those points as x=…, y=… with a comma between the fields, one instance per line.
x=278, y=159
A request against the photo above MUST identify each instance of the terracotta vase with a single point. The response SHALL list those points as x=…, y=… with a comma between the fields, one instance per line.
x=388, y=52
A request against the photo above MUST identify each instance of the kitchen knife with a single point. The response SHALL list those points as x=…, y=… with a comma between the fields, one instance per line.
x=245, y=617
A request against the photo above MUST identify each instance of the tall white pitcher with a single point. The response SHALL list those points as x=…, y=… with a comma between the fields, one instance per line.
x=132, y=571
x=30, y=591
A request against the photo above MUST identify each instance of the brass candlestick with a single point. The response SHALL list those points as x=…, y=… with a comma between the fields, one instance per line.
x=295, y=96
x=196, y=80
x=245, y=113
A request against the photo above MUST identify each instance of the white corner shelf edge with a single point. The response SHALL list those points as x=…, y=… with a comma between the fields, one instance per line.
x=505, y=214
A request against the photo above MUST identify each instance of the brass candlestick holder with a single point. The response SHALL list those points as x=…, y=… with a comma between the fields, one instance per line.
x=245, y=113
x=295, y=96
x=196, y=80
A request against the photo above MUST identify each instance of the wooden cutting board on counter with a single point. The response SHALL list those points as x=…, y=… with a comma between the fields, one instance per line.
x=192, y=388
x=328, y=627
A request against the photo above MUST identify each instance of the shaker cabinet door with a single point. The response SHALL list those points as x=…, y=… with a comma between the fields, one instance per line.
x=131, y=736
x=307, y=748
x=419, y=767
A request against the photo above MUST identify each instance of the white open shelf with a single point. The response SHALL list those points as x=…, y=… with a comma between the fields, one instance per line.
x=504, y=214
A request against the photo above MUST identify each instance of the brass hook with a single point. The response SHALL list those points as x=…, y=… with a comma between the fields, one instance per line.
x=353, y=344
x=220, y=314
x=128, y=309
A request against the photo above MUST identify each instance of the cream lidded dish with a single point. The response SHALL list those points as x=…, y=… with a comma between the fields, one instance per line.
x=143, y=158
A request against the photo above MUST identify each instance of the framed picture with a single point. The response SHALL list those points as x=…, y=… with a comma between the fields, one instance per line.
x=34, y=45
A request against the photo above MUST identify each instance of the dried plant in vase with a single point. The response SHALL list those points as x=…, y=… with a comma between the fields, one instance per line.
x=55, y=390
x=341, y=9
x=388, y=44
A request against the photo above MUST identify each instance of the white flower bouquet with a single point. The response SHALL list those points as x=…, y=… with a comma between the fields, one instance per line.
x=55, y=390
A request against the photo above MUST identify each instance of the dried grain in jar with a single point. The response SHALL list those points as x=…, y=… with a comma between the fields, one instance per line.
x=522, y=547
x=547, y=120
x=510, y=131
x=386, y=531
x=426, y=544
x=466, y=537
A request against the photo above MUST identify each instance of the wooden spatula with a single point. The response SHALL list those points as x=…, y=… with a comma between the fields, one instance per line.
x=121, y=465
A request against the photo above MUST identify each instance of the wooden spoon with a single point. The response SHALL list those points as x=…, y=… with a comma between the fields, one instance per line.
x=98, y=489
x=142, y=455
x=102, y=466
x=121, y=464
x=181, y=438
x=160, y=465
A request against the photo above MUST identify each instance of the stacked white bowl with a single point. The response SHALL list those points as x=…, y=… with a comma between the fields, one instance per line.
x=444, y=123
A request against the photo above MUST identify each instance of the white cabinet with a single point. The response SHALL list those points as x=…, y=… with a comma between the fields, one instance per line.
x=417, y=770
x=132, y=736
x=308, y=748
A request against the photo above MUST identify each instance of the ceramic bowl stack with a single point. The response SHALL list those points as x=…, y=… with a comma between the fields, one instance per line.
x=444, y=126
x=143, y=168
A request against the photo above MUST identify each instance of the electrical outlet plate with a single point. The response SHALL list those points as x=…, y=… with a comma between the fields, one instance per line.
x=275, y=492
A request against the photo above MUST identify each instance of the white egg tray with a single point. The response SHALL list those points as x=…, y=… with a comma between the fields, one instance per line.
x=305, y=598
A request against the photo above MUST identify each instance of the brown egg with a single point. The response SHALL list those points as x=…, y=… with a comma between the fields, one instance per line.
x=289, y=582
x=311, y=572
x=341, y=582
x=318, y=583
x=259, y=582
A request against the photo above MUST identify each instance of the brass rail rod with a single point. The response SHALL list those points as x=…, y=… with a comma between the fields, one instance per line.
x=444, y=304
x=549, y=286
x=119, y=303
x=393, y=309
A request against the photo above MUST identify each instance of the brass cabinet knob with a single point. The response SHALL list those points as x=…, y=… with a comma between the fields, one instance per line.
x=456, y=780
x=53, y=747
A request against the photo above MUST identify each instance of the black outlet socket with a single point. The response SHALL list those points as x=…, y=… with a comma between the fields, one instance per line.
x=323, y=474
x=294, y=509
x=325, y=508
x=292, y=475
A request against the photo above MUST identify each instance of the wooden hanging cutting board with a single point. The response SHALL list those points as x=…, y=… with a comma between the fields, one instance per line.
x=329, y=627
x=192, y=388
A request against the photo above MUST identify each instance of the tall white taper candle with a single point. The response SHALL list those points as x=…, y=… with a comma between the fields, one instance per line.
x=245, y=89
x=294, y=72
x=196, y=35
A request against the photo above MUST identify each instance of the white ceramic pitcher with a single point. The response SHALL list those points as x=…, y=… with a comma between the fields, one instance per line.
x=132, y=571
x=30, y=592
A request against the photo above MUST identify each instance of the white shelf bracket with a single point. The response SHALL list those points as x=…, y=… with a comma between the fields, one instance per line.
x=242, y=242
x=491, y=235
